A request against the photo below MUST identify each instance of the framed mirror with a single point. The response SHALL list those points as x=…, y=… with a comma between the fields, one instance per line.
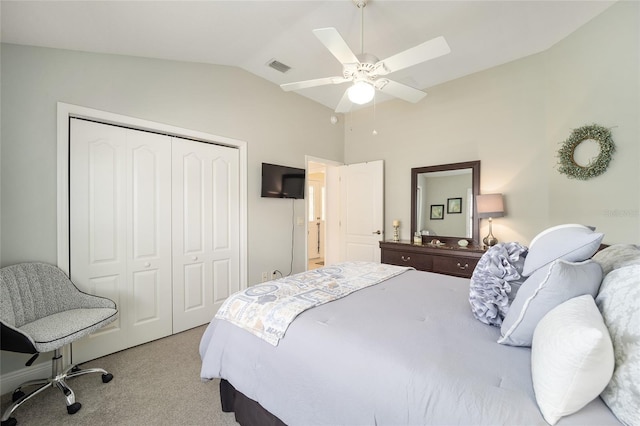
x=442, y=201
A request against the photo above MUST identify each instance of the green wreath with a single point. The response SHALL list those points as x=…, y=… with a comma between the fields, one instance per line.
x=596, y=167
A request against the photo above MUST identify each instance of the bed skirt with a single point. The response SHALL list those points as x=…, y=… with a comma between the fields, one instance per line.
x=248, y=412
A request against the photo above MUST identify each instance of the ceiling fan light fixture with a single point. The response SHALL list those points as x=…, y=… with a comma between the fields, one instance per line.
x=361, y=93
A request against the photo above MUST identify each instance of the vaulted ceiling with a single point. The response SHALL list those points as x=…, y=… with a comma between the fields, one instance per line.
x=250, y=34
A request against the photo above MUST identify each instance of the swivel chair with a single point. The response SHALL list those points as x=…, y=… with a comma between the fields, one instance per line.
x=41, y=310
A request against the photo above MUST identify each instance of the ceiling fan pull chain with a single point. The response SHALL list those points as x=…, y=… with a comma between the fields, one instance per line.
x=361, y=5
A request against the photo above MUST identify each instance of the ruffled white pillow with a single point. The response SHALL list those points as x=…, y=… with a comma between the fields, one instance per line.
x=495, y=281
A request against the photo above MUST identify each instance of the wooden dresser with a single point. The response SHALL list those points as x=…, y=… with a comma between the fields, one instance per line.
x=446, y=259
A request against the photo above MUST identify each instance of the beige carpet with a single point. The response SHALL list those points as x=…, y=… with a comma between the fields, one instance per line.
x=157, y=383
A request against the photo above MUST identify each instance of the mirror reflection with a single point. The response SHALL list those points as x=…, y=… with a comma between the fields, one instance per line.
x=442, y=200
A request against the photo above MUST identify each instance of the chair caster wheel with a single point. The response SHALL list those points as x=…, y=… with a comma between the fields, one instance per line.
x=74, y=408
x=10, y=422
x=106, y=378
x=75, y=369
x=16, y=396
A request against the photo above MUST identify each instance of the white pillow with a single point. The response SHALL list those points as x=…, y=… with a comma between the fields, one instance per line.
x=617, y=256
x=571, y=358
x=544, y=290
x=619, y=302
x=571, y=242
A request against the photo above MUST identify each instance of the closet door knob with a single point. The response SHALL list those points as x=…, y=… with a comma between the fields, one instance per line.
x=147, y=264
x=194, y=258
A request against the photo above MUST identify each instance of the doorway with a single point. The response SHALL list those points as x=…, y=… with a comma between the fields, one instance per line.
x=316, y=214
x=350, y=209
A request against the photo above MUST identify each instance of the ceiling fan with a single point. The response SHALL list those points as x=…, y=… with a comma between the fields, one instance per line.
x=366, y=71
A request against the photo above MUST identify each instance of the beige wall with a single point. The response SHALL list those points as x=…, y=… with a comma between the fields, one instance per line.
x=278, y=127
x=513, y=118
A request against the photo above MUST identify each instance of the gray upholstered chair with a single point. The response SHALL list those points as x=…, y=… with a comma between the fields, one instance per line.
x=41, y=310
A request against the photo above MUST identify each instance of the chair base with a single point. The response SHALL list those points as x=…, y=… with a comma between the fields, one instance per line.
x=58, y=380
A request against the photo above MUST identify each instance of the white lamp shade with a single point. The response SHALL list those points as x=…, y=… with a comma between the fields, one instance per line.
x=490, y=205
x=361, y=93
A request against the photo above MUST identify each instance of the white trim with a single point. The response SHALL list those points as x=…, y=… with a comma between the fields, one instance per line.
x=11, y=380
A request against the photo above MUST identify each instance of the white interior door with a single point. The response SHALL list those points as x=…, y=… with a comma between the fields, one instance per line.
x=362, y=212
x=119, y=244
x=205, y=218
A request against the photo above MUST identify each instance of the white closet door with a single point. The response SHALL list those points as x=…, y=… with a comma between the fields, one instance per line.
x=206, y=264
x=119, y=240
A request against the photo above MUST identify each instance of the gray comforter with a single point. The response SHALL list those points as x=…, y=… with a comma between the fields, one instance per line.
x=406, y=351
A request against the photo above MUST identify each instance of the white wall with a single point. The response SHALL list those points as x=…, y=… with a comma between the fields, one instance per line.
x=278, y=127
x=514, y=118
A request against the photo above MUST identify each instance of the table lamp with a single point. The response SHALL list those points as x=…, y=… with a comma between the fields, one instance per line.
x=490, y=206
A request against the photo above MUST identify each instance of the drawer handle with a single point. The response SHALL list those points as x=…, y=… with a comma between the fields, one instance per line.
x=466, y=265
x=406, y=259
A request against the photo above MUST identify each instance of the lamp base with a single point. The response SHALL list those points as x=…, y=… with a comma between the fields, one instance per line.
x=490, y=240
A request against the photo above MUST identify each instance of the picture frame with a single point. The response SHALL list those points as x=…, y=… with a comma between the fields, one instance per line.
x=437, y=212
x=454, y=205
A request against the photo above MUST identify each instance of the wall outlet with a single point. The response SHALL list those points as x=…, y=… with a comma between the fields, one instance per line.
x=265, y=276
x=274, y=275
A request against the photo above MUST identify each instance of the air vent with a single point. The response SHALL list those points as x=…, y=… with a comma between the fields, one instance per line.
x=279, y=66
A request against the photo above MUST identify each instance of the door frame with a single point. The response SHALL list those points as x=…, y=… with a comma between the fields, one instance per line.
x=332, y=217
x=66, y=111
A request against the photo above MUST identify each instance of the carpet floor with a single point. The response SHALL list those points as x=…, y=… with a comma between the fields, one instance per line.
x=157, y=383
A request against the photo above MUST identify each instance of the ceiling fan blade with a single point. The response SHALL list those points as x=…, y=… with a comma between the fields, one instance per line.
x=345, y=104
x=423, y=52
x=312, y=83
x=400, y=90
x=333, y=41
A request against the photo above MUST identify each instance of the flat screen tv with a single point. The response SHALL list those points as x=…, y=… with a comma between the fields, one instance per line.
x=282, y=181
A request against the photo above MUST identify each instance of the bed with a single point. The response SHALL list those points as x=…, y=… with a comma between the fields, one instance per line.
x=404, y=351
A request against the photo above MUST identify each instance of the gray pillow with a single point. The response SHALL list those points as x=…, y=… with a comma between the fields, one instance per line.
x=619, y=303
x=544, y=290
x=571, y=242
x=495, y=281
x=617, y=256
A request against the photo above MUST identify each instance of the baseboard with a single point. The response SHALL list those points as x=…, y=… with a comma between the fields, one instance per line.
x=10, y=381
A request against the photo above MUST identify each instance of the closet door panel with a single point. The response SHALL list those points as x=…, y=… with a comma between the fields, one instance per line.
x=105, y=208
x=149, y=235
x=223, y=183
x=194, y=188
x=109, y=287
x=98, y=241
x=222, y=280
x=120, y=190
x=194, y=285
x=205, y=229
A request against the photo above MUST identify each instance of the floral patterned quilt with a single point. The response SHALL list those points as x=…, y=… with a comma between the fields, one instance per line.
x=267, y=309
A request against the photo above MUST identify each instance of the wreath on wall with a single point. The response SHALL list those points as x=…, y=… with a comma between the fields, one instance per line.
x=596, y=167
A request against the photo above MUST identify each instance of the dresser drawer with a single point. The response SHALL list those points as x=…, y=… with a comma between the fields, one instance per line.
x=458, y=266
x=421, y=262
